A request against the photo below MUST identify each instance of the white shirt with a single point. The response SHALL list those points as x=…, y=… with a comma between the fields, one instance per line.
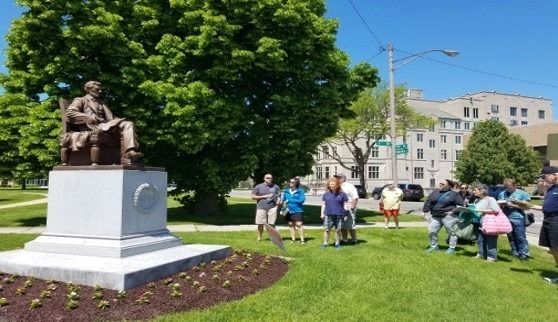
x=350, y=190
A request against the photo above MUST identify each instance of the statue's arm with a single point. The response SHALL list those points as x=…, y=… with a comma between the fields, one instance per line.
x=75, y=112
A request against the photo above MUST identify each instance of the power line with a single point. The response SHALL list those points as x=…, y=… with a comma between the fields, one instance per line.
x=482, y=71
x=367, y=26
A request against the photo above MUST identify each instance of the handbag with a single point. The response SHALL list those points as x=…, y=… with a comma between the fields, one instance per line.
x=529, y=219
x=496, y=224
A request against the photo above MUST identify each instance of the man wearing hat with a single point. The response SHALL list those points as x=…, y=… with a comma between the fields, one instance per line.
x=549, y=230
x=351, y=192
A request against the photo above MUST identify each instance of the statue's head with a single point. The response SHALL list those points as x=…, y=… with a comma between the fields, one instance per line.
x=93, y=88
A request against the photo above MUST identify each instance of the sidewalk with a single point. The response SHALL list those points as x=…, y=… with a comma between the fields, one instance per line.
x=213, y=228
x=25, y=203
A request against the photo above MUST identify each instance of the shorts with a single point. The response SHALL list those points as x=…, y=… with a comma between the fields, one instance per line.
x=334, y=221
x=549, y=233
x=294, y=217
x=350, y=223
x=266, y=216
x=391, y=212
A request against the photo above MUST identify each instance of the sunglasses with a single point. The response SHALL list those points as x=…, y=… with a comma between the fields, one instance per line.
x=268, y=178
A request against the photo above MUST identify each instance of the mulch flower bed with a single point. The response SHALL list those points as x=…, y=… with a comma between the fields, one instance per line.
x=241, y=274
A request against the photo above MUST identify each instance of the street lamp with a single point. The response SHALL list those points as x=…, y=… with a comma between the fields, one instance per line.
x=404, y=61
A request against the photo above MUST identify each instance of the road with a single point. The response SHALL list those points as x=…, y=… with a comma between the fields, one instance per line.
x=409, y=207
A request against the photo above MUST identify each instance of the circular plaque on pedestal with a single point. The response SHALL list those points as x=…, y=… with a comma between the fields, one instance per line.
x=146, y=197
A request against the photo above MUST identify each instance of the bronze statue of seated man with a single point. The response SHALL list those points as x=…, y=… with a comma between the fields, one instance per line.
x=89, y=117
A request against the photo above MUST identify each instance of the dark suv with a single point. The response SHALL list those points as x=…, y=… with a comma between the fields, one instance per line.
x=411, y=192
x=361, y=191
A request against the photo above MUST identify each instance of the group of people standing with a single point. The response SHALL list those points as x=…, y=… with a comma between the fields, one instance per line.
x=442, y=208
x=339, y=204
x=338, y=209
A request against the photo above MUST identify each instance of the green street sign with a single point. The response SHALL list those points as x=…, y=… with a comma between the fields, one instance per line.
x=383, y=143
x=401, y=146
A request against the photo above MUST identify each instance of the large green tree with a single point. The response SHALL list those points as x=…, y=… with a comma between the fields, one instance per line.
x=219, y=90
x=369, y=123
x=493, y=154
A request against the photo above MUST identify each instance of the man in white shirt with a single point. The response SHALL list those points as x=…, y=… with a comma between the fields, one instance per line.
x=350, y=223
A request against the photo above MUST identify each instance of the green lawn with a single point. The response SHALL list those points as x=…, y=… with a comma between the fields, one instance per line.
x=387, y=277
x=9, y=196
x=239, y=212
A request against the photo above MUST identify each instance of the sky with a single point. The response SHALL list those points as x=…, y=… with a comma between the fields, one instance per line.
x=508, y=46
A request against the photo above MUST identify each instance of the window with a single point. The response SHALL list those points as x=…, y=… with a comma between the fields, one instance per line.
x=375, y=151
x=458, y=139
x=326, y=174
x=373, y=172
x=494, y=108
x=432, y=143
x=419, y=136
x=354, y=172
x=513, y=111
x=443, y=124
x=466, y=125
x=495, y=118
x=419, y=173
x=524, y=123
x=444, y=154
x=334, y=151
x=325, y=150
x=466, y=112
x=523, y=112
x=318, y=155
x=319, y=173
x=458, y=154
x=541, y=114
x=458, y=125
x=432, y=128
x=443, y=138
x=475, y=113
x=420, y=153
x=432, y=183
x=432, y=164
x=513, y=122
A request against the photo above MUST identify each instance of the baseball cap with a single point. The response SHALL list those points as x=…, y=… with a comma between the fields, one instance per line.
x=549, y=170
x=340, y=175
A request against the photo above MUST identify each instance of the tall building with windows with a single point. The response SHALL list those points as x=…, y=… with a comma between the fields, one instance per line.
x=432, y=153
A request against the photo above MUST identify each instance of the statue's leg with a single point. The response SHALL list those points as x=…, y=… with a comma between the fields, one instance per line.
x=128, y=134
x=95, y=151
x=65, y=155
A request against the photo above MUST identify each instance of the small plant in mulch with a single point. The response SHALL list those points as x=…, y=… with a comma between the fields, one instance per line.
x=21, y=290
x=46, y=294
x=207, y=284
x=227, y=284
x=103, y=304
x=255, y=272
x=98, y=295
x=72, y=304
x=35, y=303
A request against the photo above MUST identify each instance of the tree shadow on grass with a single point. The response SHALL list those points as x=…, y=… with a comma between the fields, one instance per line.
x=32, y=222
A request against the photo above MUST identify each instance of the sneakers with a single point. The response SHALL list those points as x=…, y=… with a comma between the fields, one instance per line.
x=450, y=251
x=431, y=249
x=324, y=245
x=477, y=256
x=386, y=227
x=551, y=280
x=337, y=245
x=491, y=259
x=302, y=242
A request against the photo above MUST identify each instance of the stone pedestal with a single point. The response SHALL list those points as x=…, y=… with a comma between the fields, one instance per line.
x=106, y=225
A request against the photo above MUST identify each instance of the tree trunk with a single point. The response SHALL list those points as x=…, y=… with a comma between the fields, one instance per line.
x=361, y=176
x=23, y=184
x=207, y=203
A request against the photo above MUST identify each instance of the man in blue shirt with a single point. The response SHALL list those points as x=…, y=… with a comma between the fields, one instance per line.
x=517, y=238
x=549, y=230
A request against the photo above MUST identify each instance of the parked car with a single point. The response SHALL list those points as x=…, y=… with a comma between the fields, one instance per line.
x=361, y=191
x=411, y=192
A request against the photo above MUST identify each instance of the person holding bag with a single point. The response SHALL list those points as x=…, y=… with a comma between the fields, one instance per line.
x=518, y=239
x=487, y=241
x=441, y=203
